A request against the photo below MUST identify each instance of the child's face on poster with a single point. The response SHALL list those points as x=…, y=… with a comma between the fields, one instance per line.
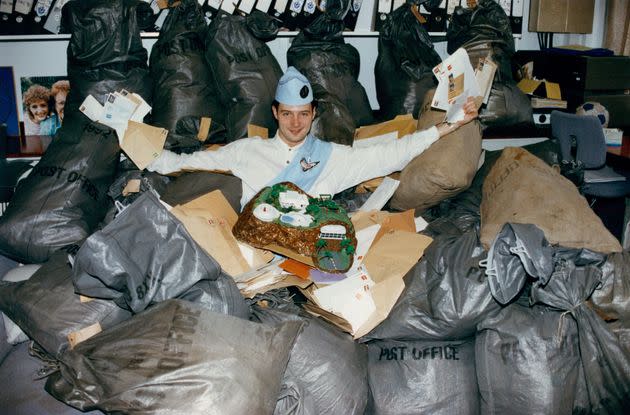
x=38, y=110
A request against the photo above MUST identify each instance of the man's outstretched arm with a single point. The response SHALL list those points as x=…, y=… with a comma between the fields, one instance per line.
x=380, y=159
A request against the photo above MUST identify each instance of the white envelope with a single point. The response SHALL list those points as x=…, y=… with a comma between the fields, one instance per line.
x=456, y=82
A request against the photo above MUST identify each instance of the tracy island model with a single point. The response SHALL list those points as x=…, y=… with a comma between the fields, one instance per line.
x=284, y=216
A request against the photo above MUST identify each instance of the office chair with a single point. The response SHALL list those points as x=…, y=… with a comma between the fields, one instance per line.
x=10, y=171
x=582, y=141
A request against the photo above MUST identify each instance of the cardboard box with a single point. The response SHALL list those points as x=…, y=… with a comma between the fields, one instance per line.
x=543, y=89
x=561, y=16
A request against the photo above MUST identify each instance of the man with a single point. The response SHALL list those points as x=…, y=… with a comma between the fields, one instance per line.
x=294, y=155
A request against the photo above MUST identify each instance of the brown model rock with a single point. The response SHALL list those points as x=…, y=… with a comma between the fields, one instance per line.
x=329, y=252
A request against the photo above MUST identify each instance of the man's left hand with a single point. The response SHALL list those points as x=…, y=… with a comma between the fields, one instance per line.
x=470, y=113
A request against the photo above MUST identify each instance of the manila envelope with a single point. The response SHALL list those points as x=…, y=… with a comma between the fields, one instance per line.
x=539, y=88
x=403, y=124
x=204, y=128
x=214, y=236
x=209, y=220
x=388, y=261
x=215, y=203
x=404, y=221
x=394, y=254
x=143, y=143
x=254, y=130
x=361, y=219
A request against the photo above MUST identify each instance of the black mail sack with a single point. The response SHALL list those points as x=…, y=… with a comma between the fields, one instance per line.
x=486, y=30
x=244, y=70
x=220, y=295
x=403, y=69
x=105, y=52
x=604, y=360
x=332, y=66
x=446, y=294
x=182, y=83
x=528, y=361
x=563, y=279
x=65, y=196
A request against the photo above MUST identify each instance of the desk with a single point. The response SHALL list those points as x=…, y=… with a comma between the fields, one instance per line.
x=27, y=147
x=623, y=150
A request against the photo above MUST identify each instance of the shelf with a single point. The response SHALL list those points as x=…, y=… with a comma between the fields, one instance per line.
x=155, y=35
x=32, y=38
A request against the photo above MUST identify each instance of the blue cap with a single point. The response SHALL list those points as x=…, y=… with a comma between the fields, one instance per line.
x=293, y=88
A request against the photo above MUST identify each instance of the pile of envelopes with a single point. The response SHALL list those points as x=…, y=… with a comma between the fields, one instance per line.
x=356, y=301
x=124, y=111
x=458, y=80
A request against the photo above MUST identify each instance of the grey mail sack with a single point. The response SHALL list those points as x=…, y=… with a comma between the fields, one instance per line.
x=423, y=377
x=327, y=370
x=177, y=358
x=144, y=256
x=48, y=310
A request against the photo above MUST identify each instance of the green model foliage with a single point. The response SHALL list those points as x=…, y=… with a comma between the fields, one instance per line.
x=322, y=209
x=312, y=209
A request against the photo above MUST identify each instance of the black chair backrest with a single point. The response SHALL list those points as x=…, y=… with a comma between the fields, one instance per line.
x=584, y=132
x=3, y=141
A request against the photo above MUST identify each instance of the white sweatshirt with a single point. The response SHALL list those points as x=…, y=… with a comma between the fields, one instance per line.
x=258, y=161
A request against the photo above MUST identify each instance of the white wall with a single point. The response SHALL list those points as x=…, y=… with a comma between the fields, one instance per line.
x=48, y=57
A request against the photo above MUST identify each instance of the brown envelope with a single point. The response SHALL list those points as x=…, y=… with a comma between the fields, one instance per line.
x=387, y=262
x=143, y=143
x=542, y=88
x=403, y=124
x=217, y=206
x=209, y=220
x=204, y=128
x=394, y=254
x=214, y=236
x=257, y=131
x=403, y=221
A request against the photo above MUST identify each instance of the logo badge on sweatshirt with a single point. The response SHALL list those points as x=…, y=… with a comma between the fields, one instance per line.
x=307, y=164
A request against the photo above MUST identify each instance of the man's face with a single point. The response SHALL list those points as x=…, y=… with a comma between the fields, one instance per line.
x=60, y=102
x=294, y=122
x=39, y=110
